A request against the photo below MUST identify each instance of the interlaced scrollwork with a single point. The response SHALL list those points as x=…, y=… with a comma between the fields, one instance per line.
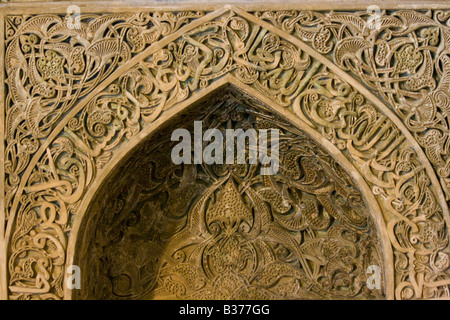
x=303, y=233
x=50, y=66
x=115, y=84
x=416, y=226
x=403, y=57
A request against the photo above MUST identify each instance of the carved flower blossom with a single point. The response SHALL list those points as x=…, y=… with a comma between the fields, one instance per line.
x=52, y=66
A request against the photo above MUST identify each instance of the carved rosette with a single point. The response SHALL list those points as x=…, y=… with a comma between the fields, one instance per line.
x=75, y=98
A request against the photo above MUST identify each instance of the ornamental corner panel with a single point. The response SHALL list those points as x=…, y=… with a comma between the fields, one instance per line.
x=91, y=93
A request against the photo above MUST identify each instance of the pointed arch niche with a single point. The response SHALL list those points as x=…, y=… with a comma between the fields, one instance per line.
x=156, y=230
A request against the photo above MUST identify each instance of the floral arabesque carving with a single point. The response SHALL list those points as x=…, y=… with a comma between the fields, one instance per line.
x=50, y=67
x=402, y=56
x=224, y=231
x=415, y=221
x=236, y=46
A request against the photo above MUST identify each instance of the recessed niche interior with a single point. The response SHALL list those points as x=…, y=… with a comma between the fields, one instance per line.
x=158, y=230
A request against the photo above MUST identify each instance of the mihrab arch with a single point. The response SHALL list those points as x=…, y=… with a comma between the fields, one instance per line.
x=77, y=100
x=229, y=98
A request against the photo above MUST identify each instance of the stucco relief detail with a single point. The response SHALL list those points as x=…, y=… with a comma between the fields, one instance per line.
x=405, y=61
x=50, y=67
x=221, y=231
x=50, y=71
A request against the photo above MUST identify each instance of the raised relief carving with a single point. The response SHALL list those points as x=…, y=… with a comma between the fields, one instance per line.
x=404, y=59
x=76, y=98
x=50, y=67
x=393, y=171
x=224, y=231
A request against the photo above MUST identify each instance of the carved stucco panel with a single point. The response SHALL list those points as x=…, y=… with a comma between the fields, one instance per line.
x=50, y=67
x=223, y=231
x=405, y=62
x=74, y=100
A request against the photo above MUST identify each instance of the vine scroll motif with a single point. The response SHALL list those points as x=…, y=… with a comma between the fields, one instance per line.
x=405, y=61
x=415, y=223
x=50, y=67
x=233, y=46
x=303, y=233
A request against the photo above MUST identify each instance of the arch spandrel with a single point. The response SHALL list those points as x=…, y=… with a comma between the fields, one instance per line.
x=403, y=60
x=229, y=46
